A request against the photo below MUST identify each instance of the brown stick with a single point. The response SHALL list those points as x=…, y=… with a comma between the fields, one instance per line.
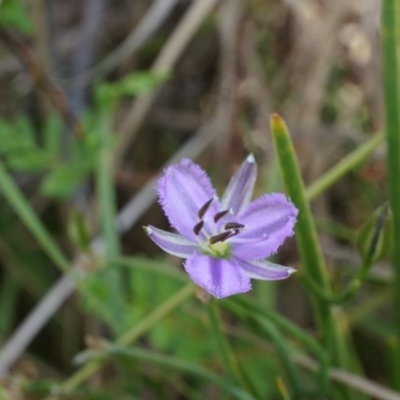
x=40, y=79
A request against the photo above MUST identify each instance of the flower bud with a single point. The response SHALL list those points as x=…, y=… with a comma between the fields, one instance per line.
x=375, y=238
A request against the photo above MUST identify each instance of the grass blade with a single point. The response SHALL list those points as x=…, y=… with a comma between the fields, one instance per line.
x=391, y=74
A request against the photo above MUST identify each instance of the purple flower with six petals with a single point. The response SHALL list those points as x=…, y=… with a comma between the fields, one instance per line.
x=223, y=241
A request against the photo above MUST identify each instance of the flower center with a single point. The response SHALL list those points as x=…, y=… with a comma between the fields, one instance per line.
x=216, y=245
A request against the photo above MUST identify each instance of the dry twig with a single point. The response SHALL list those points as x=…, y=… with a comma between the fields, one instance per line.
x=164, y=63
x=40, y=79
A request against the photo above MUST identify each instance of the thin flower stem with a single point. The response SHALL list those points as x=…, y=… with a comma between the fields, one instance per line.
x=29, y=218
x=284, y=324
x=130, y=336
x=335, y=229
x=174, y=363
x=149, y=265
x=24, y=211
x=107, y=212
x=350, y=291
x=359, y=312
x=228, y=358
x=259, y=312
x=391, y=82
x=284, y=354
x=282, y=388
x=343, y=166
x=392, y=351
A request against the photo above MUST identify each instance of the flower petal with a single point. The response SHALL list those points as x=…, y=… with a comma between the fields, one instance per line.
x=265, y=270
x=240, y=188
x=172, y=243
x=268, y=221
x=182, y=191
x=220, y=277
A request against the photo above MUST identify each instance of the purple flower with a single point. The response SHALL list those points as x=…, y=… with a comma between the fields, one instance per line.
x=223, y=241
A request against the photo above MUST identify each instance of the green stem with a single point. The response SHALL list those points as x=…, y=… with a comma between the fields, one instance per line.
x=306, y=235
x=149, y=265
x=284, y=354
x=107, y=212
x=24, y=211
x=391, y=75
x=228, y=358
x=335, y=229
x=370, y=254
x=310, y=251
x=9, y=291
x=350, y=291
x=342, y=167
x=360, y=311
x=255, y=309
x=131, y=336
x=282, y=388
x=180, y=365
x=284, y=324
x=105, y=190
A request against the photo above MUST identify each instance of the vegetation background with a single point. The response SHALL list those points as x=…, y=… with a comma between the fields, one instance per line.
x=97, y=97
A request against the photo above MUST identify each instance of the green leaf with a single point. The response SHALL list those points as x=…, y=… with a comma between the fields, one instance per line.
x=8, y=140
x=97, y=287
x=140, y=82
x=63, y=180
x=87, y=151
x=28, y=159
x=52, y=134
x=78, y=230
x=16, y=135
x=132, y=85
x=14, y=15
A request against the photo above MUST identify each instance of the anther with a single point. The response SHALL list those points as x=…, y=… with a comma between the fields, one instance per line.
x=220, y=237
x=204, y=208
x=224, y=236
x=220, y=215
x=197, y=228
x=233, y=225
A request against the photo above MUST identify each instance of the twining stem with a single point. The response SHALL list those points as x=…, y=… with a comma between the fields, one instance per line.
x=228, y=358
x=391, y=75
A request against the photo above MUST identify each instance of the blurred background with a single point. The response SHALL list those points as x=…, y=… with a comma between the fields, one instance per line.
x=140, y=84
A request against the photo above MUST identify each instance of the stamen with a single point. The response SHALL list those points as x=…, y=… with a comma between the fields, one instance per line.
x=204, y=208
x=220, y=214
x=224, y=236
x=197, y=228
x=220, y=237
x=233, y=225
